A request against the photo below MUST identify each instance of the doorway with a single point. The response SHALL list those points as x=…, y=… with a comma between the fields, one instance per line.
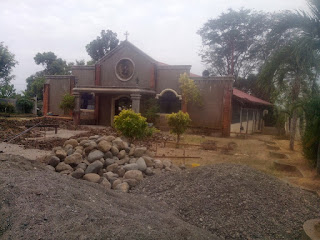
x=122, y=103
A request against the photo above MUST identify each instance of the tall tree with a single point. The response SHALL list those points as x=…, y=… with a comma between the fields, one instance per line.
x=102, y=44
x=297, y=62
x=7, y=63
x=52, y=66
x=287, y=71
x=234, y=43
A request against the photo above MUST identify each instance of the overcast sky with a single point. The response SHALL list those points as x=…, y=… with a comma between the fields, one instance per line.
x=165, y=30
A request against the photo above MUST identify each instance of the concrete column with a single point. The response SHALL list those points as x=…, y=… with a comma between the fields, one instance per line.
x=46, y=96
x=35, y=106
x=135, y=98
x=76, y=111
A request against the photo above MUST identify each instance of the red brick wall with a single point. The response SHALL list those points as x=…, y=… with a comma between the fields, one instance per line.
x=46, y=92
x=226, y=114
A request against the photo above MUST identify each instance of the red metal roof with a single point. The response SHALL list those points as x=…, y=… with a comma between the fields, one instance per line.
x=248, y=98
x=194, y=75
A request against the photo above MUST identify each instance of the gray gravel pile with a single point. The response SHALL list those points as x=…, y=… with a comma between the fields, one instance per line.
x=234, y=201
x=36, y=203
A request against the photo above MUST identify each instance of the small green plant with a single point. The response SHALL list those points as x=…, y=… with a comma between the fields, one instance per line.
x=68, y=103
x=178, y=123
x=24, y=104
x=152, y=108
x=132, y=125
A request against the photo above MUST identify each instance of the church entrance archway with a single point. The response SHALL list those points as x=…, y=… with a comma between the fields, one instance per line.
x=121, y=103
x=118, y=103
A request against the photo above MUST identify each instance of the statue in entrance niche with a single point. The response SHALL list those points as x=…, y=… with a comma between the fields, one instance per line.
x=124, y=69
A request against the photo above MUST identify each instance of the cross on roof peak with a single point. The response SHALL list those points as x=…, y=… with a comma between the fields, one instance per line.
x=126, y=34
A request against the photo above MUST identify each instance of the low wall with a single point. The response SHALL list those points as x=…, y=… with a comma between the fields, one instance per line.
x=162, y=125
x=9, y=100
x=87, y=117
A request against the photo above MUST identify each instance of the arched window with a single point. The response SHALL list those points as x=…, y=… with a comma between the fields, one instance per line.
x=169, y=102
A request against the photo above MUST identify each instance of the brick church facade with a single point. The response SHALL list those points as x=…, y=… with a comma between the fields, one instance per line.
x=126, y=78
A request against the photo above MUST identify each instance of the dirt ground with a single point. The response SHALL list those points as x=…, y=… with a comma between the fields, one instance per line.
x=73, y=209
x=251, y=151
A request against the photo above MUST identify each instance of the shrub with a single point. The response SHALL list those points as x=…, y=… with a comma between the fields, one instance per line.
x=67, y=103
x=150, y=131
x=178, y=123
x=131, y=124
x=152, y=109
x=24, y=104
x=7, y=108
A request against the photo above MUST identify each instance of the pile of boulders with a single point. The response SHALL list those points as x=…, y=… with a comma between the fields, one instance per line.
x=107, y=160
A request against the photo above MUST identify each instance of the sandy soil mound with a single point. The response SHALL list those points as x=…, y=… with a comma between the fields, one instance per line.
x=234, y=201
x=36, y=203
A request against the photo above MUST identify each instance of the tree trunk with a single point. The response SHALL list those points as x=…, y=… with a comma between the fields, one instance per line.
x=318, y=160
x=295, y=95
x=178, y=140
x=184, y=106
x=293, y=129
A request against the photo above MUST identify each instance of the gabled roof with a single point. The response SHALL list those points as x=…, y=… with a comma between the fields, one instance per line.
x=122, y=45
x=248, y=98
x=127, y=43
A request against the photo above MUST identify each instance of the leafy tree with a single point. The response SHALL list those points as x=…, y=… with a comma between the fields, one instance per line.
x=102, y=44
x=35, y=85
x=287, y=71
x=81, y=62
x=292, y=69
x=52, y=66
x=7, y=63
x=235, y=42
x=251, y=86
x=7, y=90
x=24, y=104
x=178, y=123
x=189, y=91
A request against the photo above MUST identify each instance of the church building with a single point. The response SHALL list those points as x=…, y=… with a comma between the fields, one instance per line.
x=127, y=78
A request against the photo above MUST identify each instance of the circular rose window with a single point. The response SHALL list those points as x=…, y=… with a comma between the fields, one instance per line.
x=125, y=69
